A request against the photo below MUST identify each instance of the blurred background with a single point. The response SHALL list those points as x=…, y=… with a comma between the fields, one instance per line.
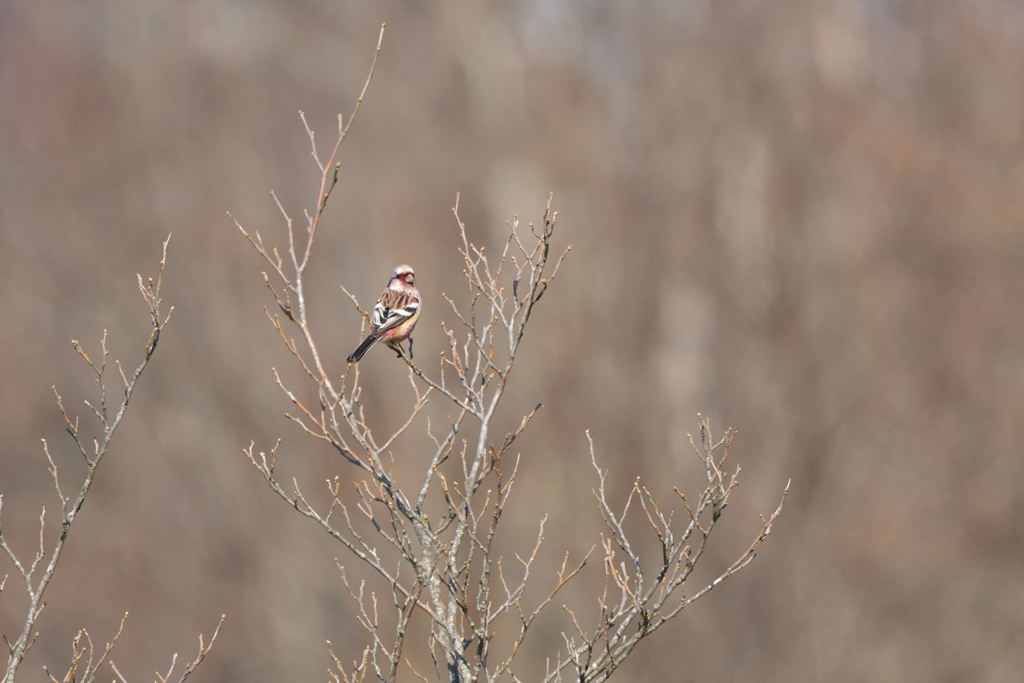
x=802, y=219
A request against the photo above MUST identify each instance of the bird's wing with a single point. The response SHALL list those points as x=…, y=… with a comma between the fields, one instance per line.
x=392, y=309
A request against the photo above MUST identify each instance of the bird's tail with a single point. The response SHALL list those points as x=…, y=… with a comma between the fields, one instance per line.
x=362, y=349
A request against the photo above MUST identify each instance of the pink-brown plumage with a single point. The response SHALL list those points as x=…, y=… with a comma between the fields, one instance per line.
x=394, y=315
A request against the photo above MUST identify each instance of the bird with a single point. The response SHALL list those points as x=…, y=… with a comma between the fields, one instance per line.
x=394, y=315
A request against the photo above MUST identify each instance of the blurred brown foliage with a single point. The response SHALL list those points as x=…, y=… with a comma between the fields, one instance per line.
x=803, y=219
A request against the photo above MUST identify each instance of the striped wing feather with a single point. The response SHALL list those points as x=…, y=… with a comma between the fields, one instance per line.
x=393, y=309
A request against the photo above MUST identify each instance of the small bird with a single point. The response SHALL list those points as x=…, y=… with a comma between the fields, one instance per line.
x=394, y=315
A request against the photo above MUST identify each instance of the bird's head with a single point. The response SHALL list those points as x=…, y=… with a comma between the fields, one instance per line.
x=403, y=277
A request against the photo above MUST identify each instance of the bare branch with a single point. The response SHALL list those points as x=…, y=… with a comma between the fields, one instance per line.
x=37, y=577
x=432, y=540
